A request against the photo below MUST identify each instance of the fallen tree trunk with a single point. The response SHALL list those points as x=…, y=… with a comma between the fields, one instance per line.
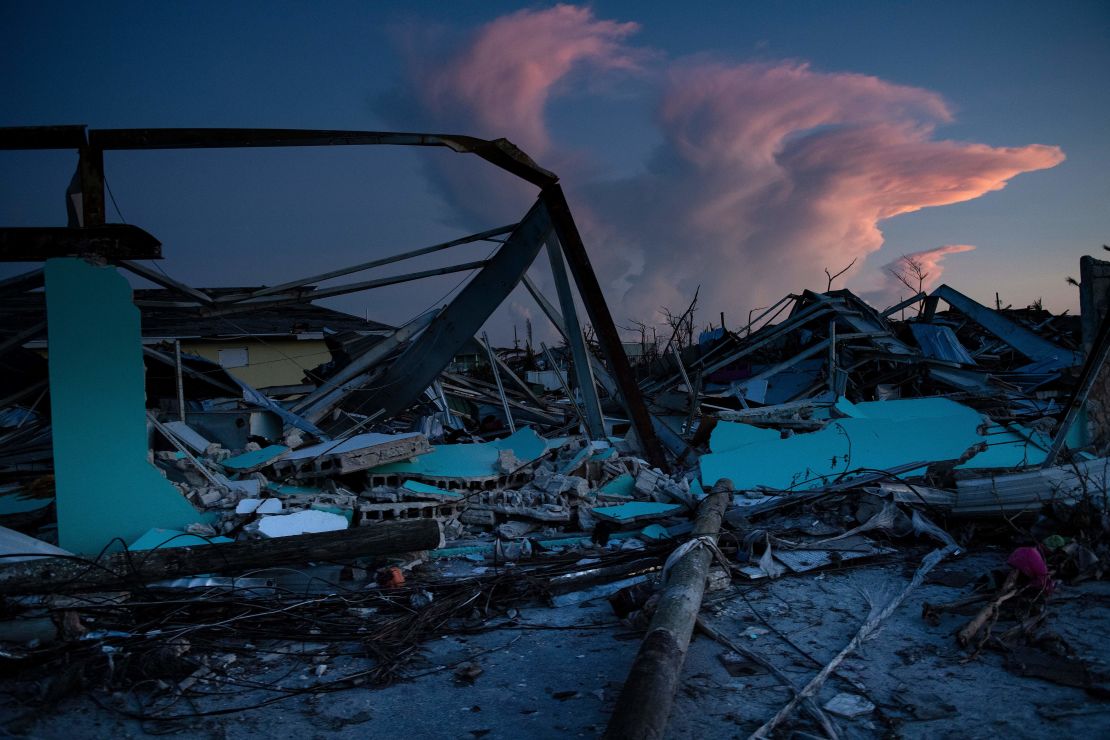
x=645, y=701
x=125, y=569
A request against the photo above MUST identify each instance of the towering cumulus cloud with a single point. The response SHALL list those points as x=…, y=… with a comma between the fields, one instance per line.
x=502, y=80
x=767, y=172
x=772, y=172
x=497, y=83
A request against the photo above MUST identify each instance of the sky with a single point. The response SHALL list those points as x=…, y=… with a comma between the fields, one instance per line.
x=739, y=148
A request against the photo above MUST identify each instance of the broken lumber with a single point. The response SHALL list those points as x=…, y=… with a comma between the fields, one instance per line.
x=808, y=704
x=645, y=701
x=989, y=613
x=125, y=569
x=869, y=627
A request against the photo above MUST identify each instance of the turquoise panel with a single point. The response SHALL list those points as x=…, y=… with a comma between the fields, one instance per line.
x=253, y=459
x=470, y=460
x=104, y=485
x=622, y=485
x=418, y=487
x=635, y=510
x=161, y=539
x=729, y=435
x=897, y=437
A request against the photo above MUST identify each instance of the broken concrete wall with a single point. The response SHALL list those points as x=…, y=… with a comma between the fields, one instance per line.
x=104, y=485
x=1094, y=297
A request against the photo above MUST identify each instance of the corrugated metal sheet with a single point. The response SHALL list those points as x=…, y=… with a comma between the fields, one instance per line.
x=939, y=342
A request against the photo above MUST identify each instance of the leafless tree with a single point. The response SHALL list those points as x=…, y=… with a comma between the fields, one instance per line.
x=909, y=271
x=682, y=325
x=832, y=277
x=641, y=328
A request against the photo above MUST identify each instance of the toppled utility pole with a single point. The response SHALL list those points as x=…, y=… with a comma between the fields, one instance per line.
x=645, y=701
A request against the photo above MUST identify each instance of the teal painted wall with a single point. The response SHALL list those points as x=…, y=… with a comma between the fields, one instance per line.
x=105, y=486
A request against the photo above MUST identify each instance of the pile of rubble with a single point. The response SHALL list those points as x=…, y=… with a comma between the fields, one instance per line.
x=164, y=520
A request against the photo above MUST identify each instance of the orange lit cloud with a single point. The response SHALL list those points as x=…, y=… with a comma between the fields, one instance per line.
x=497, y=82
x=767, y=172
x=501, y=81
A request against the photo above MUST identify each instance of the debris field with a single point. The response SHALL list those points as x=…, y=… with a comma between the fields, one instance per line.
x=835, y=520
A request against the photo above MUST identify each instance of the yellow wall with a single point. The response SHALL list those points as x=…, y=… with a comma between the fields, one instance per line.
x=272, y=361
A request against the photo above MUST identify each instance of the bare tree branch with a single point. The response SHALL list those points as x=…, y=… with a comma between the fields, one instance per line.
x=834, y=277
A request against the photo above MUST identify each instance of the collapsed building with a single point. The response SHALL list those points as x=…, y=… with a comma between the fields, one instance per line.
x=144, y=464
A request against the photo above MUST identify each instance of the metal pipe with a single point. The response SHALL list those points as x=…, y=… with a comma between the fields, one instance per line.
x=373, y=263
x=583, y=373
x=497, y=377
x=563, y=383
x=180, y=381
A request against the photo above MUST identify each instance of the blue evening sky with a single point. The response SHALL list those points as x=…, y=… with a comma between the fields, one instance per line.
x=1015, y=73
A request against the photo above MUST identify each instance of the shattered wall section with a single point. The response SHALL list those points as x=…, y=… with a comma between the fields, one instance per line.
x=105, y=486
x=1094, y=297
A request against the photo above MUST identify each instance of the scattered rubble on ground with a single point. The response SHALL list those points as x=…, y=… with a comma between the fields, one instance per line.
x=177, y=544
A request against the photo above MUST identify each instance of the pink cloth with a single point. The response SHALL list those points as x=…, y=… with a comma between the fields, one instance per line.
x=1029, y=561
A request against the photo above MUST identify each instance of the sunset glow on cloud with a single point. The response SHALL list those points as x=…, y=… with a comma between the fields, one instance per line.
x=767, y=173
x=502, y=80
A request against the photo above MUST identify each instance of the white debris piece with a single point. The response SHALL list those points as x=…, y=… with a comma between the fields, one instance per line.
x=508, y=463
x=269, y=506
x=286, y=525
x=16, y=546
x=849, y=706
x=647, y=480
x=249, y=487
x=258, y=506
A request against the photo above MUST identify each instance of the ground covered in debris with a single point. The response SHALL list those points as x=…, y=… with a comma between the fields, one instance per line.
x=541, y=671
x=871, y=526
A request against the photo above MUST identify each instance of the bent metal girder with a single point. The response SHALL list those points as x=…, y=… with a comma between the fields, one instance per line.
x=424, y=358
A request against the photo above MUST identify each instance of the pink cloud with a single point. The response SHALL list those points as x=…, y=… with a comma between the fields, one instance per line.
x=772, y=172
x=767, y=172
x=497, y=82
x=501, y=81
